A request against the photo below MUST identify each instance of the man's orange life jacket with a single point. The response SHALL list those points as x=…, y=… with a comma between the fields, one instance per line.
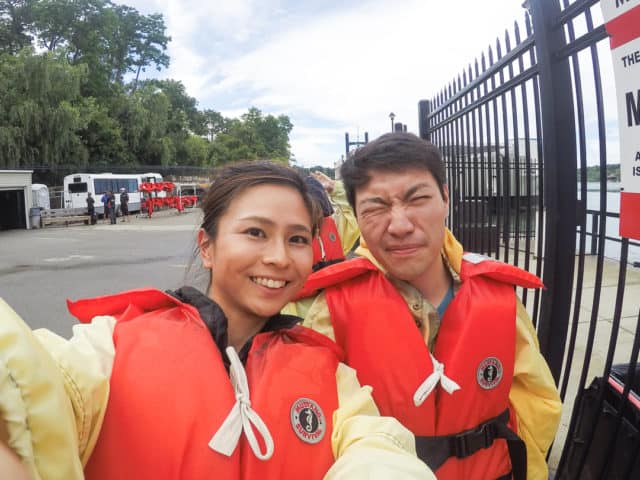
x=170, y=393
x=461, y=435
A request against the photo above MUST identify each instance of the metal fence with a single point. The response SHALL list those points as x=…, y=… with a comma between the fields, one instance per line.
x=518, y=130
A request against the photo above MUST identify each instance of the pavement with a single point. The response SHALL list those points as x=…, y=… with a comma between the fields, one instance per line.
x=41, y=268
x=597, y=309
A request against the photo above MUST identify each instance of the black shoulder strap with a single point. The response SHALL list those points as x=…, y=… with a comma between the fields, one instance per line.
x=434, y=451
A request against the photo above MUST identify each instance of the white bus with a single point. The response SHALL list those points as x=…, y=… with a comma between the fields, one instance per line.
x=77, y=185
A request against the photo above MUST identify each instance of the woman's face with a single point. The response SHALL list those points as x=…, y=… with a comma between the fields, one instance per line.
x=262, y=253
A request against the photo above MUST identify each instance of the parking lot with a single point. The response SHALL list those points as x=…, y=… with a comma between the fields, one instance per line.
x=41, y=268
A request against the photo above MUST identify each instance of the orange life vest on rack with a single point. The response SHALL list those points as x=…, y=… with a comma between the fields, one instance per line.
x=327, y=247
x=475, y=343
x=170, y=393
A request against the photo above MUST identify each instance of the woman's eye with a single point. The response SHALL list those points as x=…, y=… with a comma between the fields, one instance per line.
x=255, y=232
x=300, y=239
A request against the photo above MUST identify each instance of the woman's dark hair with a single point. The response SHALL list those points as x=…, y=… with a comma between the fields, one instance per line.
x=391, y=152
x=232, y=180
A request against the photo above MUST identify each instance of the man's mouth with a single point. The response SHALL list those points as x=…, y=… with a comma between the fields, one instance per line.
x=269, y=282
x=403, y=248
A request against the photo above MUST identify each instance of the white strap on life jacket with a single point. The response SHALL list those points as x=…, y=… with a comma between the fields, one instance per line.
x=437, y=376
x=241, y=417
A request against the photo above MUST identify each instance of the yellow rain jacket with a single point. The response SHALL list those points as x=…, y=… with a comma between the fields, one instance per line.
x=533, y=394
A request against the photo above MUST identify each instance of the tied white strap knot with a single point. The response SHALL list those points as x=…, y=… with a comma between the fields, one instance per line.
x=425, y=389
x=241, y=417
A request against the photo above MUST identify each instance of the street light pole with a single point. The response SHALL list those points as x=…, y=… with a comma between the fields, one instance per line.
x=392, y=116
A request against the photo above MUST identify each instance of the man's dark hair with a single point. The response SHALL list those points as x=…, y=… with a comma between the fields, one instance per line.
x=391, y=152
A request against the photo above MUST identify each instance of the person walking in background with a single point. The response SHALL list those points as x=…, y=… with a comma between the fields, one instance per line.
x=187, y=385
x=105, y=205
x=112, y=207
x=439, y=334
x=91, y=209
x=124, y=204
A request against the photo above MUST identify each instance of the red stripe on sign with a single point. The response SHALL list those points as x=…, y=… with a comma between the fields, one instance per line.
x=630, y=215
x=624, y=28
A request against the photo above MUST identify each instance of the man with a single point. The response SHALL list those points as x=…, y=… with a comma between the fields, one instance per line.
x=91, y=209
x=124, y=204
x=432, y=330
x=111, y=201
x=105, y=204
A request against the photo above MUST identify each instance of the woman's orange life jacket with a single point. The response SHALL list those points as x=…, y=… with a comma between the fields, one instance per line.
x=475, y=342
x=327, y=247
x=170, y=393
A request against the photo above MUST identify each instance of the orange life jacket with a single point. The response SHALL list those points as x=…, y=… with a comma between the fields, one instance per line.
x=327, y=247
x=475, y=343
x=170, y=393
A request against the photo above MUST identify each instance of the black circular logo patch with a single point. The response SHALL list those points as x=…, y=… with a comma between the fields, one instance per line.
x=489, y=373
x=308, y=420
x=332, y=236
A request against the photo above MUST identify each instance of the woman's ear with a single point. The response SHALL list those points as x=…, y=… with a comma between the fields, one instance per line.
x=204, y=246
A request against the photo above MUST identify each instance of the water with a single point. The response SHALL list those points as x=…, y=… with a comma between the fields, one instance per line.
x=611, y=247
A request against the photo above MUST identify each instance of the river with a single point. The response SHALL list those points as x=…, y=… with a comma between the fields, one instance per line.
x=611, y=248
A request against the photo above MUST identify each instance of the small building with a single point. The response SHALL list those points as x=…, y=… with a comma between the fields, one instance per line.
x=15, y=198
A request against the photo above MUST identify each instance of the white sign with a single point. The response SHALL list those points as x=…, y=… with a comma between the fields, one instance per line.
x=622, y=21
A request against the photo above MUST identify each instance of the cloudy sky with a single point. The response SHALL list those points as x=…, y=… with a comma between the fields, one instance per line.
x=331, y=66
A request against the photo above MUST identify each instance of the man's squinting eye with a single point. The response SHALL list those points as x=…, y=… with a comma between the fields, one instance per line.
x=374, y=210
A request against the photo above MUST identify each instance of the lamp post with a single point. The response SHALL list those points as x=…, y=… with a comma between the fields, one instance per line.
x=392, y=116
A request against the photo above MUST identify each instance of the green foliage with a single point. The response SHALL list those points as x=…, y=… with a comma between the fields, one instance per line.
x=593, y=172
x=83, y=103
x=253, y=136
x=197, y=149
x=41, y=111
x=16, y=17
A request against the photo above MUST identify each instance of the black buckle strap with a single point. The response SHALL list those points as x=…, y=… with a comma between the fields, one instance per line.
x=469, y=442
x=434, y=451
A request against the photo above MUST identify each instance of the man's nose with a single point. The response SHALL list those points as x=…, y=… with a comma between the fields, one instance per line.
x=399, y=223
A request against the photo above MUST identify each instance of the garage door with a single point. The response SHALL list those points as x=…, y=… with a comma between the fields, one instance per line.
x=12, y=209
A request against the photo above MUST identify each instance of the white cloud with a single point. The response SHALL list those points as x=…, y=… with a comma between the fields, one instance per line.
x=330, y=70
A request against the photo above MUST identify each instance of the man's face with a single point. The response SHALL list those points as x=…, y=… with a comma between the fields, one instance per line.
x=401, y=217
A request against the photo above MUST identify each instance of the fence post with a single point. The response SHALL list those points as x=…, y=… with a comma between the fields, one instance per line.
x=424, y=109
x=594, y=236
x=560, y=181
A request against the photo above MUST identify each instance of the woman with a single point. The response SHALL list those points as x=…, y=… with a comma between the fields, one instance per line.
x=203, y=385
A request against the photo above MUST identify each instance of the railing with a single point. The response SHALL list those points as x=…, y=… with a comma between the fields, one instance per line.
x=517, y=129
x=595, y=227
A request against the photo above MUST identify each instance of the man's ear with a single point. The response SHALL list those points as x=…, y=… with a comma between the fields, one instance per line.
x=204, y=248
x=445, y=194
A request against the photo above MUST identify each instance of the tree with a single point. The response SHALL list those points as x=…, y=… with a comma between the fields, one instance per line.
x=54, y=22
x=41, y=111
x=16, y=18
x=113, y=40
x=196, y=151
x=150, y=45
x=253, y=136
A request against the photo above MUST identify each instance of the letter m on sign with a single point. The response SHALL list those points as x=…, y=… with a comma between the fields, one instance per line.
x=633, y=109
